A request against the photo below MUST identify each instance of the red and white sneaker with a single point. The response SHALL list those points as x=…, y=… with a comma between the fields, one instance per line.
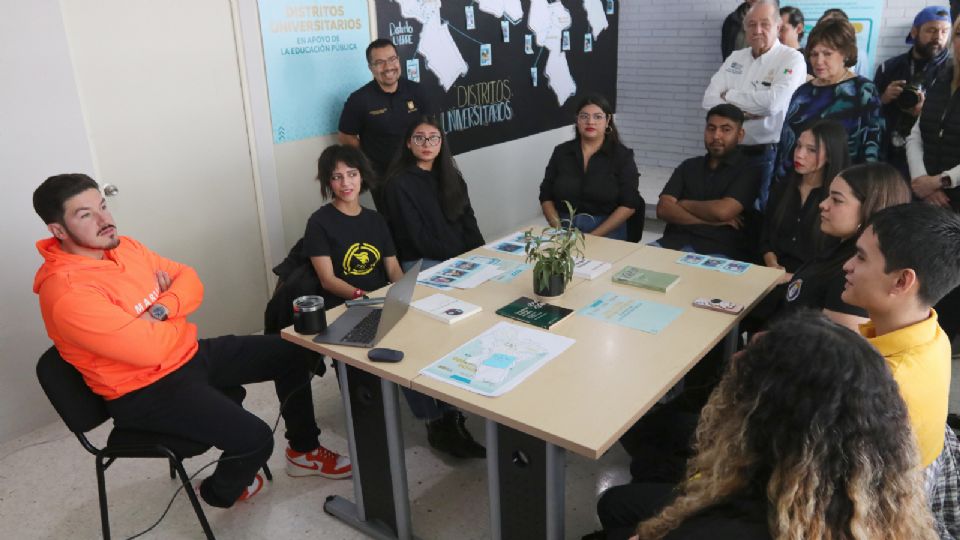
x=255, y=487
x=319, y=462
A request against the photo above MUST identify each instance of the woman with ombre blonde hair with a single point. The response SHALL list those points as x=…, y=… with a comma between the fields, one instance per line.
x=806, y=436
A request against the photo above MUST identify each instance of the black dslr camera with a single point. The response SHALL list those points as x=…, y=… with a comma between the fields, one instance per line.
x=912, y=91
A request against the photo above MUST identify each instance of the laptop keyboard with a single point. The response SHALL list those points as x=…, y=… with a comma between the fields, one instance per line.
x=366, y=329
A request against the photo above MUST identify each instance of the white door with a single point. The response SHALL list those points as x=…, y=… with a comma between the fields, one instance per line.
x=160, y=89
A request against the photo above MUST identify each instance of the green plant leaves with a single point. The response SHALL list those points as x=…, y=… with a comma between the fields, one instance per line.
x=553, y=250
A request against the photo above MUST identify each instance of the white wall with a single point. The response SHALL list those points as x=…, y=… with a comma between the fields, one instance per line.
x=160, y=89
x=668, y=52
x=41, y=133
x=504, y=180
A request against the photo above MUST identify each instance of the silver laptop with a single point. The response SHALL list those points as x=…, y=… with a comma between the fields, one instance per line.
x=365, y=326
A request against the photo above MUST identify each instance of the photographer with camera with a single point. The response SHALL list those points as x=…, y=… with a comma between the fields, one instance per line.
x=933, y=153
x=905, y=78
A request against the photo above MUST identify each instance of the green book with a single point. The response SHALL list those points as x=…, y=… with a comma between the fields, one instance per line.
x=646, y=279
x=530, y=311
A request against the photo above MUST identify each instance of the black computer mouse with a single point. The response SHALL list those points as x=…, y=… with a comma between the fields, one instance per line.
x=385, y=355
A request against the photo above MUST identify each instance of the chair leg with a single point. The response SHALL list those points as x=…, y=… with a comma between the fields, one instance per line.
x=185, y=479
x=173, y=470
x=266, y=472
x=102, y=491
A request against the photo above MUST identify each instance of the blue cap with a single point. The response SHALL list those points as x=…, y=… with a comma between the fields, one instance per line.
x=928, y=14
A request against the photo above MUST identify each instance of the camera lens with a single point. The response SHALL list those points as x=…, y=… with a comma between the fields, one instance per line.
x=911, y=92
x=909, y=98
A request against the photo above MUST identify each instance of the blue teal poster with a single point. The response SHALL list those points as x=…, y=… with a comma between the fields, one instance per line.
x=314, y=57
x=864, y=15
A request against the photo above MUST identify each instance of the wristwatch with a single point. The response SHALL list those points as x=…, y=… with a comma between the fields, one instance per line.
x=946, y=182
x=159, y=312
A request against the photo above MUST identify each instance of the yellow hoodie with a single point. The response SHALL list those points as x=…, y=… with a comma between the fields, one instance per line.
x=91, y=309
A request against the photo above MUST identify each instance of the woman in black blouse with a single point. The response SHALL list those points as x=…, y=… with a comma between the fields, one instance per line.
x=595, y=172
x=426, y=199
x=791, y=232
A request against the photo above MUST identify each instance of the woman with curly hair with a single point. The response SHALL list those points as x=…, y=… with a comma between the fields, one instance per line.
x=806, y=436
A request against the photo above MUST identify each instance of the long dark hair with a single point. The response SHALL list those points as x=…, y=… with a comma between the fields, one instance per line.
x=876, y=186
x=831, y=136
x=612, y=136
x=809, y=419
x=453, y=190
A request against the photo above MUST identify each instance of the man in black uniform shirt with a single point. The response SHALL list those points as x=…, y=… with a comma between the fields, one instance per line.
x=375, y=117
x=929, y=35
x=704, y=200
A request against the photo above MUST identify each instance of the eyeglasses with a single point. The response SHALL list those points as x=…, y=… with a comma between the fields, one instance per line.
x=586, y=117
x=389, y=61
x=422, y=140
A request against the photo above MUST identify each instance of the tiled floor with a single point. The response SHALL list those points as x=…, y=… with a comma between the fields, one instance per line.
x=48, y=487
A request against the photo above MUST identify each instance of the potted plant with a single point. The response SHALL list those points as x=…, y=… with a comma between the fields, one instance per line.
x=553, y=252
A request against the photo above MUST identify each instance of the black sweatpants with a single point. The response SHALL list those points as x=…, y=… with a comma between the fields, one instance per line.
x=190, y=403
x=621, y=508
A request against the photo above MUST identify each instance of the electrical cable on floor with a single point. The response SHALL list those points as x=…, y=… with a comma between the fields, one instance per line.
x=31, y=445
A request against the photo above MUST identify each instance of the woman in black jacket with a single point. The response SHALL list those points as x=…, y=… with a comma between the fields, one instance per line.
x=791, y=232
x=428, y=207
x=431, y=219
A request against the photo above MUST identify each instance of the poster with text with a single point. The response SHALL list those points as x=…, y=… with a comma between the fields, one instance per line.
x=314, y=57
x=865, y=16
x=506, y=69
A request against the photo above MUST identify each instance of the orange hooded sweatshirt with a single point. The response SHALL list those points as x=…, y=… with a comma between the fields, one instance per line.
x=91, y=309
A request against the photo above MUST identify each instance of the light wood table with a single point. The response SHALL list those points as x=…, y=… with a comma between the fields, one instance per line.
x=582, y=400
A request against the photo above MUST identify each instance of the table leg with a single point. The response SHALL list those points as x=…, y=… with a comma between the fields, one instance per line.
x=527, y=485
x=398, y=465
x=730, y=342
x=493, y=477
x=382, y=508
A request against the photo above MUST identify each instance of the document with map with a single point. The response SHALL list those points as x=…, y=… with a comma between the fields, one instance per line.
x=499, y=359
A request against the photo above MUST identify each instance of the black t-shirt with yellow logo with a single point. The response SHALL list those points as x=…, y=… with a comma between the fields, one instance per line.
x=380, y=119
x=357, y=245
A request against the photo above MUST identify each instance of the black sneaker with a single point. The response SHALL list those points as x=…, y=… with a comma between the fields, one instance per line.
x=449, y=435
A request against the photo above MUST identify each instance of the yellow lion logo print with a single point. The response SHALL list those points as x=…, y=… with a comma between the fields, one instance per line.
x=360, y=259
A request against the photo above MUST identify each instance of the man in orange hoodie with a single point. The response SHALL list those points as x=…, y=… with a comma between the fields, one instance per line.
x=118, y=312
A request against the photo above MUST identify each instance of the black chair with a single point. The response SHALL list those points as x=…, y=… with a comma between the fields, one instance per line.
x=636, y=222
x=82, y=411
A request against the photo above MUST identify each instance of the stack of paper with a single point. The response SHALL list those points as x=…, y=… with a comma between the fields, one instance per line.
x=643, y=315
x=589, y=268
x=513, y=244
x=498, y=359
x=511, y=269
x=445, y=308
x=459, y=273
